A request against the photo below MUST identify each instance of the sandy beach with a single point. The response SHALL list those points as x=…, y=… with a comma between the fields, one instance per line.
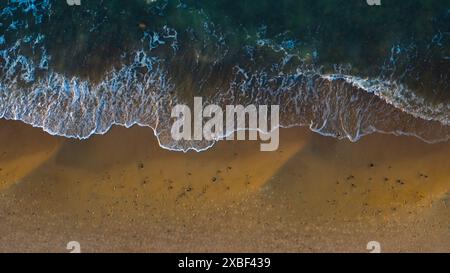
x=122, y=192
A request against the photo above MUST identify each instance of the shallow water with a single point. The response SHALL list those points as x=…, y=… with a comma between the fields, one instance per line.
x=343, y=68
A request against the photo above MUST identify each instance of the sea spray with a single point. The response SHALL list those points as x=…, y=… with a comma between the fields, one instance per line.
x=77, y=71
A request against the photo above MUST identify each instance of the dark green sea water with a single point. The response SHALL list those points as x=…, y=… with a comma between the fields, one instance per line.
x=342, y=67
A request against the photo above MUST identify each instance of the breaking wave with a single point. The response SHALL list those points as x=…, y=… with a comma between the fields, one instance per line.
x=137, y=80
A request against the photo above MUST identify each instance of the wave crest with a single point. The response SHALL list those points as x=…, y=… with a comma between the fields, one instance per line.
x=171, y=66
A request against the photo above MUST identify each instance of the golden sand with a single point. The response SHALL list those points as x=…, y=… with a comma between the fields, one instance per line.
x=122, y=192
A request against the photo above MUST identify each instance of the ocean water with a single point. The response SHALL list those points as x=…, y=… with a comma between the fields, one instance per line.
x=341, y=67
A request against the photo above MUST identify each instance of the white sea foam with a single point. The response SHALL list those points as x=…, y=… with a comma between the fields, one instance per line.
x=143, y=90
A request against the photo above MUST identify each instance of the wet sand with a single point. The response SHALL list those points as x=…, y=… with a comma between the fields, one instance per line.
x=122, y=192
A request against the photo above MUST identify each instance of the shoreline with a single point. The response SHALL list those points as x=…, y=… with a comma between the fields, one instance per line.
x=122, y=192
